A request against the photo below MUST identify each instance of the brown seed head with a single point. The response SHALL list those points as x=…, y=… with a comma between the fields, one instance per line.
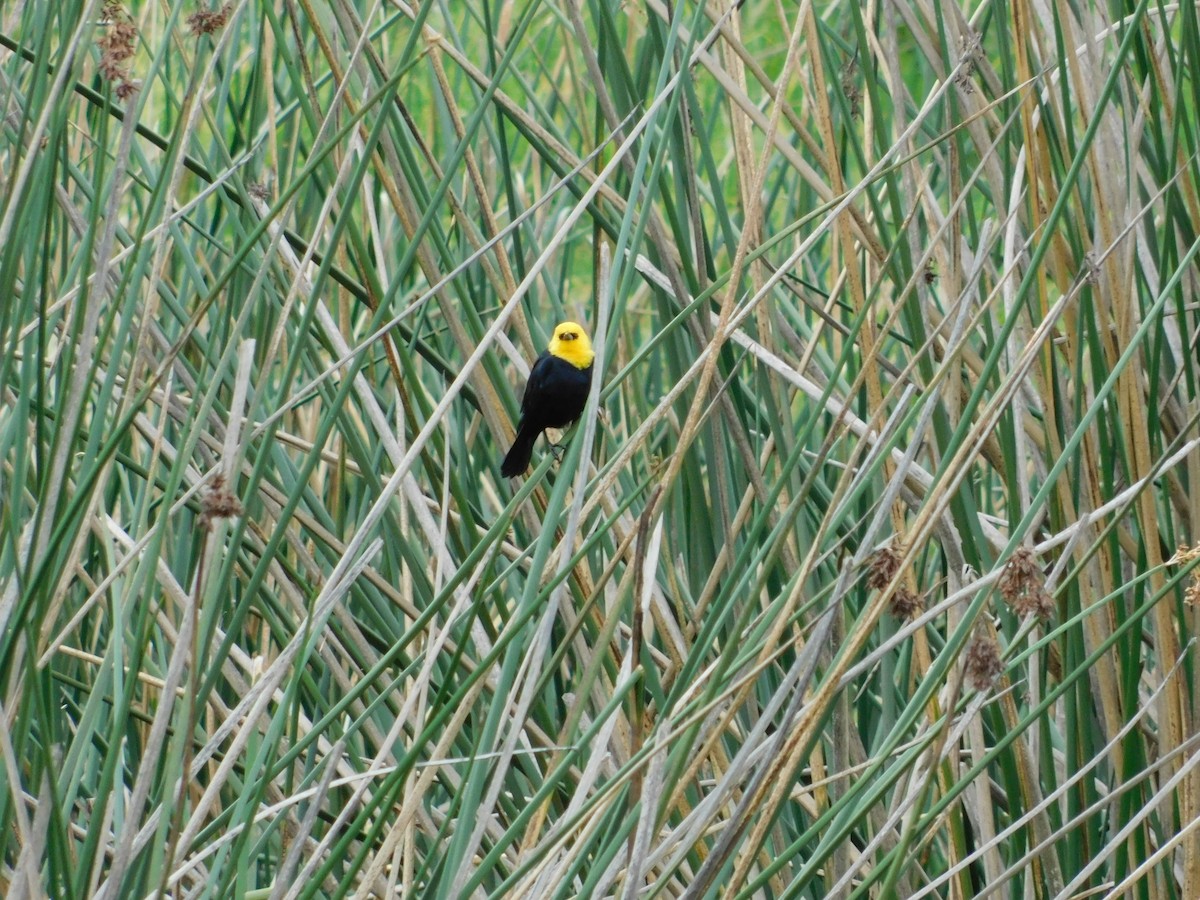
x=117, y=44
x=1183, y=556
x=905, y=604
x=1022, y=584
x=982, y=662
x=219, y=503
x=883, y=566
x=209, y=21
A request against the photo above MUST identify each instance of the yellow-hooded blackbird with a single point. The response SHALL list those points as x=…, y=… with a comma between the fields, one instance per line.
x=555, y=393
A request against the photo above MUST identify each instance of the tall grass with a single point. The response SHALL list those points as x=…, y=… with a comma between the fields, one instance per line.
x=859, y=577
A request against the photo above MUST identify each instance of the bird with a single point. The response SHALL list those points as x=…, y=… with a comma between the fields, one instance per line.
x=555, y=393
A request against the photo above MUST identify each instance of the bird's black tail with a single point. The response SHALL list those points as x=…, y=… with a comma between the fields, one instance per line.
x=517, y=460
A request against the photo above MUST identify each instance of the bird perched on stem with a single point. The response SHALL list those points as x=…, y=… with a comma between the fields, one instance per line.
x=555, y=393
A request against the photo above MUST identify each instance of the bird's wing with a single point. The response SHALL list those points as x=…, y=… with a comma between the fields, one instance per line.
x=537, y=379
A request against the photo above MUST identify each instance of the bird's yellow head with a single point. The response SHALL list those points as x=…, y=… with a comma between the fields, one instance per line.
x=570, y=342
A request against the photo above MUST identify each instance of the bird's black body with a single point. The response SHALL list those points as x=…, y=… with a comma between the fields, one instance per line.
x=554, y=398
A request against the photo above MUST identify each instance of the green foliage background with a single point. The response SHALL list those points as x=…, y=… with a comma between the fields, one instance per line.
x=858, y=579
